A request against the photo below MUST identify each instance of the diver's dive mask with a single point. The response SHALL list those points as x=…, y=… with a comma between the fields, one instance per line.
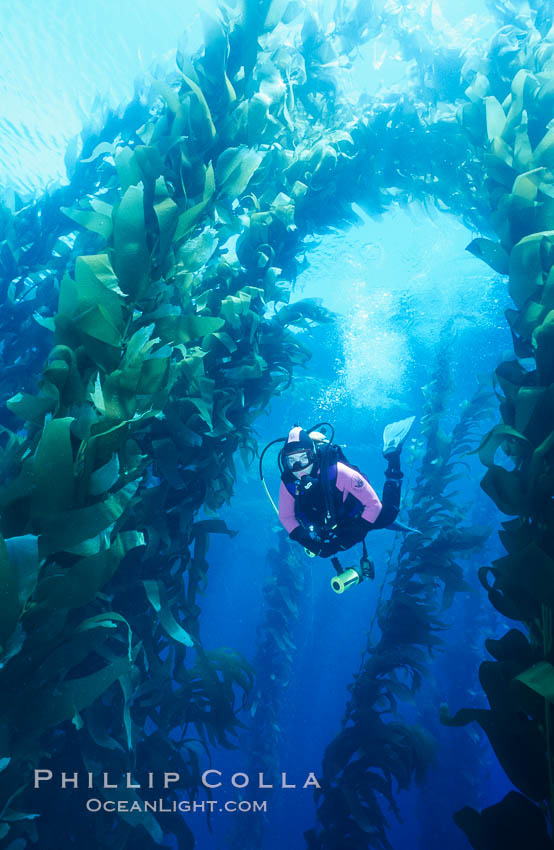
x=297, y=461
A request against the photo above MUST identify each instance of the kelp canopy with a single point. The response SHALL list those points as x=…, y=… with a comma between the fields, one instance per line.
x=162, y=298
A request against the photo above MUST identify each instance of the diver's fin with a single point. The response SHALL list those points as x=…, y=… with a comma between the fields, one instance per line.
x=395, y=434
x=399, y=526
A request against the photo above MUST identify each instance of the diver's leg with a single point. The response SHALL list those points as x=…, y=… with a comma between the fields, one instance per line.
x=390, y=499
x=394, y=436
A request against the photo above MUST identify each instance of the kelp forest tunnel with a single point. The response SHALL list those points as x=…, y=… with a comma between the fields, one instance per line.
x=375, y=364
x=273, y=231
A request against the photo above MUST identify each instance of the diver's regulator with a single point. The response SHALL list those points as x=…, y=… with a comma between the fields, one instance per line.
x=345, y=579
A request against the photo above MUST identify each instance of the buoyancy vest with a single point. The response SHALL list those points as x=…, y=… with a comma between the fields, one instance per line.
x=318, y=503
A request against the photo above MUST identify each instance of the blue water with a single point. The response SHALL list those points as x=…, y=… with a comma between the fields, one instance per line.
x=392, y=284
x=63, y=62
x=359, y=397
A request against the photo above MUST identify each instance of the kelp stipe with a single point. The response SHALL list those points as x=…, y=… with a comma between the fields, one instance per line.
x=376, y=749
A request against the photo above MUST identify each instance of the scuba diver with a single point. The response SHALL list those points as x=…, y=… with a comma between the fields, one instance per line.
x=327, y=505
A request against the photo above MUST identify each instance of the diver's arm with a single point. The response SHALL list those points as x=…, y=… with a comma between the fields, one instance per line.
x=300, y=535
x=354, y=533
x=286, y=510
x=351, y=482
x=288, y=519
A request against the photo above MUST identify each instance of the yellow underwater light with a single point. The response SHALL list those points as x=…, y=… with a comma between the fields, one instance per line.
x=347, y=579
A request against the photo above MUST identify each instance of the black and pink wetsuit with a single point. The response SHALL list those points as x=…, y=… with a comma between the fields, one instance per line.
x=348, y=482
x=356, y=508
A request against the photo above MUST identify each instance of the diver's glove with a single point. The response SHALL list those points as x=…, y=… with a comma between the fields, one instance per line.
x=330, y=547
x=355, y=533
x=300, y=535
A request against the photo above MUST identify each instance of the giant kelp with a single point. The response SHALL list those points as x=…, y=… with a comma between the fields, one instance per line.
x=162, y=356
x=192, y=213
x=161, y=359
x=508, y=117
x=377, y=752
